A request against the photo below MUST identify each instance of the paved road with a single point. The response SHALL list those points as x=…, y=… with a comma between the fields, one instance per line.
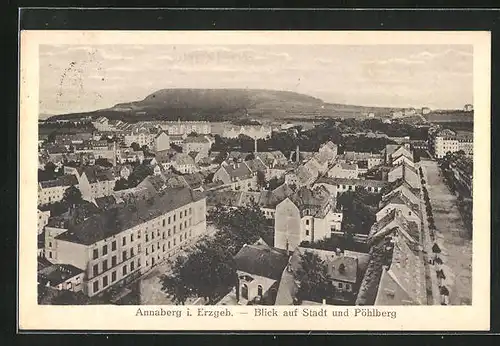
x=454, y=234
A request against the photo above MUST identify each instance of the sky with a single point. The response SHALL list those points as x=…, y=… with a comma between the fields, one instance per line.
x=76, y=78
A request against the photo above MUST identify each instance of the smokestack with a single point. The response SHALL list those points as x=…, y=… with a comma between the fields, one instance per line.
x=297, y=158
x=255, y=145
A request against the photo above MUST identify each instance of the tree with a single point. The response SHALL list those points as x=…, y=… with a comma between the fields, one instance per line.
x=139, y=174
x=135, y=146
x=207, y=271
x=121, y=184
x=314, y=280
x=72, y=196
x=261, y=179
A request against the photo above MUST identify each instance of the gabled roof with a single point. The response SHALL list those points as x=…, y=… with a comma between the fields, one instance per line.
x=64, y=180
x=271, y=199
x=256, y=165
x=400, y=198
x=262, y=260
x=183, y=159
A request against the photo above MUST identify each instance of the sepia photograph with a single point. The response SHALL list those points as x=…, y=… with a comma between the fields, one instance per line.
x=337, y=178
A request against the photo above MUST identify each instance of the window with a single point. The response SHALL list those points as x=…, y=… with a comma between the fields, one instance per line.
x=168, y=245
x=113, y=261
x=96, y=286
x=124, y=255
x=50, y=254
x=104, y=250
x=113, y=276
x=307, y=222
x=180, y=238
x=163, y=247
x=105, y=265
x=163, y=236
x=307, y=232
x=132, y=252
x=50, y=244
x=131, y=237
x=147, y=237
x=152, y=235
x=180, y=215
x=185, y=224
x=95, y=254
x=124, y=270
x=138, y=234
x=190, y=211
x=341, y=285
x=174, y=241
x=169, y=220
x=153, y=248
x=95, y=270
x=174, y=229
x=138, y=262
x=174, y=217
x=180, y=226
x=158, y=245
x=124, y=241
x=158, y=232
x=348, y=287
x=105, y=281
x=185, y=212
x=147, y=251
x=113, y=246
x=244, y=291
x=132, y=264
x=259, y=290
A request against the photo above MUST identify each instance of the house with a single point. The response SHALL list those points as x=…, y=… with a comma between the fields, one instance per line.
x=344, y=170
x=237, y=175
x=120, y=244
x=183, y=163
x=272, y=158
x=256, y=165
x=259, y=268
x=396, y=222
x=101, y=124
x=402, y=281
x=345, y=268
x=52, y=191
x=394, y=150
x=400, y=202
x=370, y=160
x=403, y=159
x=128, y=156
x=197, y=143
x=43, y=219
x=95, y=182
x=62, y=277
x=405, y=172
x=400, y=186
x=161, y=142
x=307, y=215
x=268, y=200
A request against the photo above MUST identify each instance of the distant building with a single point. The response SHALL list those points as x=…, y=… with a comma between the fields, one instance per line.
x=448, y=141
x=405, y=172
x=468, y=108
x=200, y=144
x=236, y=174
x=62, y=277
x=426, y=110
x=253, y=131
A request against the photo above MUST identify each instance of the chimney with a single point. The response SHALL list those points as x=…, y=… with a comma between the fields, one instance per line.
x=297, y=158
x=324, y=301
x=255, y=145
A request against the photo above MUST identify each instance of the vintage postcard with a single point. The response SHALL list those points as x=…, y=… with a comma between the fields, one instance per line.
x=280, y=180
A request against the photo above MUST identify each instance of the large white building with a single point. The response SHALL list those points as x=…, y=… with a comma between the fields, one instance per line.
x=52, y=191
x=124, y=242
x=448, y=141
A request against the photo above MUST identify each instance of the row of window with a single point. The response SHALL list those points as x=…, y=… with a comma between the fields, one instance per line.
x=105, y=278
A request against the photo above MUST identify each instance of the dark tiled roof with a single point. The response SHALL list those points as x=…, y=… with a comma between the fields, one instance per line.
x=115, y=220
x=105, y=202
x=256, y=165
x=357, y=182
x=57, y=273
x=64, y=180
x=261, y=260
x=315, y=200
x=238, y=170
